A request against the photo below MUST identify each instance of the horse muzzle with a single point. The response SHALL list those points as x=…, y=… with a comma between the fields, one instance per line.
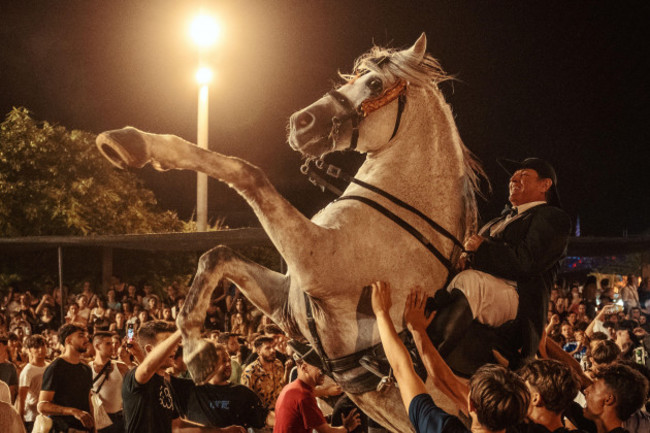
x=314, y=130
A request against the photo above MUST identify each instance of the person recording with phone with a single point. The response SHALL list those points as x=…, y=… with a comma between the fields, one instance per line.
x=607, y=313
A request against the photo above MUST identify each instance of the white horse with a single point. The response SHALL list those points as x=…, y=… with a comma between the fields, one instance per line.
x=392, y=110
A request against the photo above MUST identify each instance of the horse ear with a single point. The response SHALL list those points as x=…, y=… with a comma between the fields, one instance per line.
x=419, y=48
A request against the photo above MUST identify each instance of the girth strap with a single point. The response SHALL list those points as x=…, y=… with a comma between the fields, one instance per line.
x=318, y=345
x=406, y=226
x=344, y=363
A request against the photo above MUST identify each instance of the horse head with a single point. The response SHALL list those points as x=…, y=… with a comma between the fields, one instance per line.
x=364, y=113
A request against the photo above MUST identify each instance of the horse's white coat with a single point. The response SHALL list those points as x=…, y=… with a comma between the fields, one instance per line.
x=347, y=245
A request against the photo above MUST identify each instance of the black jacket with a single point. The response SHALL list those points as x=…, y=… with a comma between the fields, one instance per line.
x=528, y=251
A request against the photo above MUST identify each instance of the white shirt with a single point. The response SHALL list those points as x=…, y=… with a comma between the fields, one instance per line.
x=31, y=377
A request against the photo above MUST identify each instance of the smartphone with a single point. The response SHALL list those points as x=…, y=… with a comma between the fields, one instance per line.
x=130, y=333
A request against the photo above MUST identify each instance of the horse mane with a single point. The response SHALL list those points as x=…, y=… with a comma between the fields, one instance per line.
x=427, y=73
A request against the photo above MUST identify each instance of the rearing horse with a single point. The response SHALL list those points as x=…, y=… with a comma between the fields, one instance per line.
x=393, y=111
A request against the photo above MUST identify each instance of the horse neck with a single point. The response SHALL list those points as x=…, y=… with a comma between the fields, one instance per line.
x=423, y=165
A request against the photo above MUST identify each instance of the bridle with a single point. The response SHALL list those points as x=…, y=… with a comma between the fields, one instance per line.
x=356, y=114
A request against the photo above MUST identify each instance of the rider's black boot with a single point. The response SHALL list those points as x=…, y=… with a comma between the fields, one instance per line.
x=451, y=323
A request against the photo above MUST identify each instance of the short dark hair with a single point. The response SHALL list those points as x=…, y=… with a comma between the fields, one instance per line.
x=641, y=369
x=262, y=339
x=34, y=341
x=273, y=330
x=555, y=381
x=599, y=336
x=68, y=329
x=605, y=352
x=101, y=334
x=500, y=397
x=149, y=330
x=225, y=336
x=629, y=387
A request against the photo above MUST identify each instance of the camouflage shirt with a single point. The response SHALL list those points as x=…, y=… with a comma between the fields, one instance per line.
x=266, y=384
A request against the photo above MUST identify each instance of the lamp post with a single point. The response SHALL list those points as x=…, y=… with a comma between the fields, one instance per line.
x=204, y=31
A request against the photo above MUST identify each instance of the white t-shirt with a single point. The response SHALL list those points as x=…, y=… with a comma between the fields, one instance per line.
x=31, y=377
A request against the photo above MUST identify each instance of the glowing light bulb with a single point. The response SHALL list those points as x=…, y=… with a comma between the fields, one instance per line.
x=205, y=30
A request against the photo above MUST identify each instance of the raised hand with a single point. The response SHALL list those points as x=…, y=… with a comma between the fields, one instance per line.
x=351, y=421
x=414, y=310
x=380, y=298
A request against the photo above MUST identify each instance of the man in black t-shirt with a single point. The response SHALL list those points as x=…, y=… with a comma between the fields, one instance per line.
x=147, y=400
x=147, y=395
x=8, y=373
x=220, y=403
x=65, y=392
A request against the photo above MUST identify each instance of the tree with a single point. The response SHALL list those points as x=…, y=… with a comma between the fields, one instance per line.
x=54, y=182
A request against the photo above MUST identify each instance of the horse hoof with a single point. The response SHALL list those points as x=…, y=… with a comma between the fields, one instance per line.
x=201, y=361
x=124, y=147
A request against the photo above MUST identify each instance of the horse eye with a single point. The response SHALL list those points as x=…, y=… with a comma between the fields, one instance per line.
x=375, y=85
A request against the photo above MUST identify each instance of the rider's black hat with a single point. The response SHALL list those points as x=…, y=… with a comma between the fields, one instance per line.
x=543, y=169
x=305, y=352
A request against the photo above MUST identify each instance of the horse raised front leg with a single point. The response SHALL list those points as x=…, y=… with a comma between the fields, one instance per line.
x=266, y=289
x=291, y=232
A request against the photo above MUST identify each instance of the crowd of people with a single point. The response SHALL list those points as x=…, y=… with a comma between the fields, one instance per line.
x=104, y=356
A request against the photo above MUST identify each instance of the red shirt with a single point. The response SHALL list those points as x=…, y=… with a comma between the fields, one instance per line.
x=296, y=410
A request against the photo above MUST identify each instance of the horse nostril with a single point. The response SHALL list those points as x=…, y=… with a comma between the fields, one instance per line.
x=304, y=119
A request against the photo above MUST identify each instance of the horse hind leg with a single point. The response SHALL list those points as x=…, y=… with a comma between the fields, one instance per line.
x=266, y=289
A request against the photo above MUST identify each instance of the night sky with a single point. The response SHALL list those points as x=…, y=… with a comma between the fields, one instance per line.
x=565, y=81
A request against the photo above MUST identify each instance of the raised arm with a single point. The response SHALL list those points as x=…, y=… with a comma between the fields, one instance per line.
x=599, y=318
x=436, y=367
x=410, y=384
x=155, y=359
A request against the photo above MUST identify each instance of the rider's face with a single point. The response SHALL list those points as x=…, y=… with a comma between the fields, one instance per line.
x=526, y=186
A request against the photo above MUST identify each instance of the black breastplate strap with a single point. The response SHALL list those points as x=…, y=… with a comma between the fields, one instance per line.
x=336, y=173
x=404, y=225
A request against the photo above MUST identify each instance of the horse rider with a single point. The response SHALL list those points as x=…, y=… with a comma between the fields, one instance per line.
x=513, y=262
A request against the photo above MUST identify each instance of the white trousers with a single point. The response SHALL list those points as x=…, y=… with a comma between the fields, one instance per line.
x=493, y=300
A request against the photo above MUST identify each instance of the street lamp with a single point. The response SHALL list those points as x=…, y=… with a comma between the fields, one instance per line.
x=205, y=32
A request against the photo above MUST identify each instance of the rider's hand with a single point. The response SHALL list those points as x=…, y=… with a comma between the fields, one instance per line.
x=414, y=310
x=473, y=242
x=380, y=297
x=351, y=421
x=463, y=262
